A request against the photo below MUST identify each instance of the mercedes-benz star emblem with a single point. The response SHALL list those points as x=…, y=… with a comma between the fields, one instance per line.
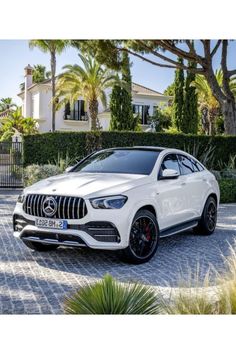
x=49, y=206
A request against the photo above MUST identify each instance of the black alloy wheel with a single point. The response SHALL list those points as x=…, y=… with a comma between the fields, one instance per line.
x=207, y=223
x=144, y=237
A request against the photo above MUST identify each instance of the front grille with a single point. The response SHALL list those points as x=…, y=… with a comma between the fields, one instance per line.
x=66, y=207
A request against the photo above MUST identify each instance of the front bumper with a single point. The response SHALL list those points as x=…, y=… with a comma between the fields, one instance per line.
x=99, y=229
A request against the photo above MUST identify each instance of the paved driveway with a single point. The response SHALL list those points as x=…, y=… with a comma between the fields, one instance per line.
x=33, y=282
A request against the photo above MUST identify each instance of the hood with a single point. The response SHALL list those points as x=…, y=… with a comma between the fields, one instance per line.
x=87, y=184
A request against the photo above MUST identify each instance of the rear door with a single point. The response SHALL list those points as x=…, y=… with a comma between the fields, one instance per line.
x=193, y=176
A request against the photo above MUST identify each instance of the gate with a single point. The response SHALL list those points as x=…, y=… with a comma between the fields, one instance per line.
x=11, y=165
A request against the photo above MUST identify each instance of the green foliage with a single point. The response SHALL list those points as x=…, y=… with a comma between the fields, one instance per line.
x=89, y=81
x=170, y=90
x=162, y=118
x=178, y=103
x=41, y=148
x=227, y=190
x=35, y=173
x=16, y=122
x=206, y=156
x=122, y=117
x=110, y=297
x=189, y=122
x=40, y=74
x=219, y=123
x=6, y=103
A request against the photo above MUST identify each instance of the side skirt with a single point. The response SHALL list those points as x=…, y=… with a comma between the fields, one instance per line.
x=179, y=228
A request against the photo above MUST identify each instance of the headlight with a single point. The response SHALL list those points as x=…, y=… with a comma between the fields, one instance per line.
x=21, y=198
x=115, y=202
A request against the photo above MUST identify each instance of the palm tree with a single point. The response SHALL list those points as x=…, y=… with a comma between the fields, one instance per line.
x=16, y=122
x=209, y=106
x=40, y=74
x=53, y=47
x=90, y=82
x=6, y=104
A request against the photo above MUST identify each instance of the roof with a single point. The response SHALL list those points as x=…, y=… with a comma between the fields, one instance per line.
x=152, y=148
x=142, y=90
x=136, y=89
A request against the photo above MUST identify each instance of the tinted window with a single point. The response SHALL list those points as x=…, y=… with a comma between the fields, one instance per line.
x=196, y=166
x=120, y=161
x=170, y=162
x=186, y=166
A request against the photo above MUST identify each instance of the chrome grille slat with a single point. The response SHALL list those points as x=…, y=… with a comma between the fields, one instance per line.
x=63, y=208
x=73, y=208
x=67, y=207
x=59, y=208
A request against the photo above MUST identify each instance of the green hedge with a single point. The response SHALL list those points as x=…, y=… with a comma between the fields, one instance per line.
x=44, y=148
x=227, y=190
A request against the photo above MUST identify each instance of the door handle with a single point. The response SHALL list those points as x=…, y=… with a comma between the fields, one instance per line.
x=183, y=183
x=204, y=179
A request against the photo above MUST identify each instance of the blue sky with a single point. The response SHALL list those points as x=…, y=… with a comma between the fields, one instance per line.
x=15, y=55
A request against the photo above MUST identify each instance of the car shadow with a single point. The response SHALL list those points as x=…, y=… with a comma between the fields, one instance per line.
x=178, y=258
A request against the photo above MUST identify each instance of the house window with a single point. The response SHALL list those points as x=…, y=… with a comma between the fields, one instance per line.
x=142, y=111
x=77, y=112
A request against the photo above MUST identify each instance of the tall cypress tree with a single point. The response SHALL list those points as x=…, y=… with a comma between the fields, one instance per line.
x=190, y=113
x=178, y=103
x=122, y=117
x=115, y=107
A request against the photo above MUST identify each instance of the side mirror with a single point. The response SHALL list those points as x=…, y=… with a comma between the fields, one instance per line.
x=169, y=174
x=68, y=169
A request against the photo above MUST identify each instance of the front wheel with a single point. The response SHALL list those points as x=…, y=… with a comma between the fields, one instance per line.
x=207, y=223
x=144, y=237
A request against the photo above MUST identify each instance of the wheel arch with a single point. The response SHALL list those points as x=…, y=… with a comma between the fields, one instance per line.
x=150, y=208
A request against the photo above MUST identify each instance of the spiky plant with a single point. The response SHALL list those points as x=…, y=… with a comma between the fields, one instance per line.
x=227, y=285
x=111, y=297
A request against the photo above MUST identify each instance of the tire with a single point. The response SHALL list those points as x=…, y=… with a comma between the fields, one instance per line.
x=40, y=247
x=207, y=223
x=143, y=240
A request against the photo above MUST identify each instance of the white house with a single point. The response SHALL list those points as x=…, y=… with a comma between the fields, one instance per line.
x=36, y=103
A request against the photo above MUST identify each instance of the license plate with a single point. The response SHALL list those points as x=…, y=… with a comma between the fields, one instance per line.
x=51, y=224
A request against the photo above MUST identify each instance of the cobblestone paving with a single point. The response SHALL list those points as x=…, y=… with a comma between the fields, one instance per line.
x=33, y=282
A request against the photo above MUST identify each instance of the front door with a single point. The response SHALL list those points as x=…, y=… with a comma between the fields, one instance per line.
x=171, y=196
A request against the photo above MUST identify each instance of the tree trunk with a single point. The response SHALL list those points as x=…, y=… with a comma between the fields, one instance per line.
x=53, y=70
x=229, y=112
x=93, y=112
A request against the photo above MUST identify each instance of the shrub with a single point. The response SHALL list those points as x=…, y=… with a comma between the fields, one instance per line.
x=35, y=173
x=39, y=149
x=227, y=190
x=110, y=297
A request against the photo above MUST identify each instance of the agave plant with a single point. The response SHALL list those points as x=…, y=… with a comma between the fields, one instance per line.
x=206, y=157
x=111, y=297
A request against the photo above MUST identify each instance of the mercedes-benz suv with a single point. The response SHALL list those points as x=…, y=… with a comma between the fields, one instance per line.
x=119, y=199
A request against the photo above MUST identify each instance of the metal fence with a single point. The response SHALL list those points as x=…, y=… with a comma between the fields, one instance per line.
x=11, y=165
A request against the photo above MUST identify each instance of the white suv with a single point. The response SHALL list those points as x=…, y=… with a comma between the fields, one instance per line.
x=119, y=199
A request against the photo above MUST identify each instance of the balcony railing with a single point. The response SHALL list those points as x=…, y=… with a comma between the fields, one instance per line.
x=75, y=115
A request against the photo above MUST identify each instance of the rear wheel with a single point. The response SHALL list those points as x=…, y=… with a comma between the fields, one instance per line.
x=144, y=237
x=37, y=246
x=207, y=223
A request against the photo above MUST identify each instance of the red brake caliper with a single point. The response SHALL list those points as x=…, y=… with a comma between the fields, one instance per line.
x=148, y=233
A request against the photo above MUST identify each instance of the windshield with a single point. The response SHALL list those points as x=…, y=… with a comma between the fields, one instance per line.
x=120, y=161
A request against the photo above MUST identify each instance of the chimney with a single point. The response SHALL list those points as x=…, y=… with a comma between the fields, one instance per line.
x=28, y=82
